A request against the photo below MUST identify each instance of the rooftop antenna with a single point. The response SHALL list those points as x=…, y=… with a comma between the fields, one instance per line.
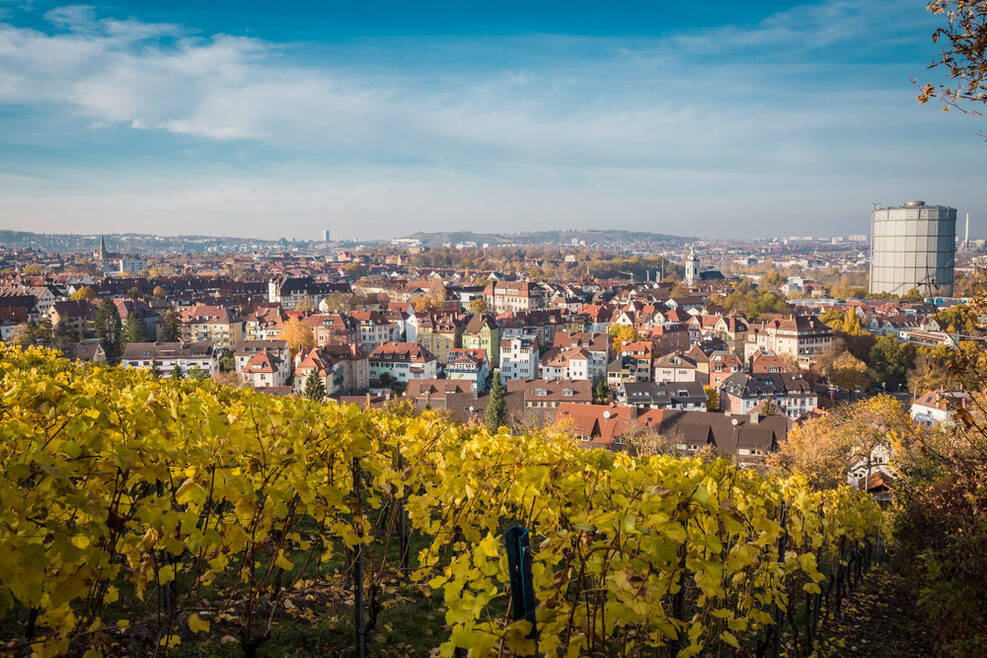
x=875, y=205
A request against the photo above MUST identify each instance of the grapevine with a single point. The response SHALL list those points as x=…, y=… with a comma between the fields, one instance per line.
x=117, y=483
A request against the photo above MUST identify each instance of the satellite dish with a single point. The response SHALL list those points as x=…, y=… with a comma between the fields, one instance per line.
x=606, y=414
x=733, y=422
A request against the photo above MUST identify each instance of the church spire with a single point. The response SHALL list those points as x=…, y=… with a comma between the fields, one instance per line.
x=692, y=267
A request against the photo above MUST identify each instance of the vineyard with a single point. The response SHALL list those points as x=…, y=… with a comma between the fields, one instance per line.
x=144, y=513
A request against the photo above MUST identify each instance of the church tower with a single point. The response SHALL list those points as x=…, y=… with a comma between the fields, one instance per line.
x=100, y=254
x=692, y=268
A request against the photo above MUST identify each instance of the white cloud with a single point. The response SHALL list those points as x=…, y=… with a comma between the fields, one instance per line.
x=637, y=130
x=155, y=76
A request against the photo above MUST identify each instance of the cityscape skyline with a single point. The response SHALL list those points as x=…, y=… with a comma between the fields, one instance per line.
x=746, y=121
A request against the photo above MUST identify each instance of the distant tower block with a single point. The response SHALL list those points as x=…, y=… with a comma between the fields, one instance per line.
x=692, y=267
x=325, y=236
x=913, y=246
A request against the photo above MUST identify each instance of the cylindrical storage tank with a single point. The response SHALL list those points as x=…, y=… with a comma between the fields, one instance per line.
x=913, y=246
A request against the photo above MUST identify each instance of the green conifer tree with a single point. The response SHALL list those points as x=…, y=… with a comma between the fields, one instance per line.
x=315, y=388
x=496, y=406
x=171, y=329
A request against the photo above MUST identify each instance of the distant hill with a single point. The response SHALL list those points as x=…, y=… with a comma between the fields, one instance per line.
x=590, y=237
x=126, y=242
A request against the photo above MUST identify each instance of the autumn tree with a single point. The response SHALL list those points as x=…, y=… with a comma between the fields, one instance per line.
x=963, y=57
x=437, y=293
x=832, y=317
x=824, y=449
x=712, y=398
x=306, y=304
x=299, y=336
x=622, y=333
x=848, y=373
x=84, y=293
x=479, y=305
x=851, y=323
x=946, y=368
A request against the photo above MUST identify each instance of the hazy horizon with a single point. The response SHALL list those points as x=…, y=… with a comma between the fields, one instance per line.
x=247, y=120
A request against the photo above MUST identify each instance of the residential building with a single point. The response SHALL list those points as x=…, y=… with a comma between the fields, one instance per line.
x=142, y=312
x=133, y=266
x=623, y=370
x=600, y=425
x=313, y=360
x=201, y=355
x=518, y=358
x=439, y=333
x=502, y=296
x=293, y=293
x=747, y=439
x=804, y=336
x=278, y=357
x=742, y=393
x=569, y=363
x=78, y=315
x=669, y=338
x=215, y=324
x=90, y=350
x=374, y=328
x=934, y=407
x=640, y=351
x=540, y=394
x=482, y=333
x=351, y=364
x=675, y=367
x=723, y=364
x=265, y=370
x=468, y=364
x=683, y=396
x=333, y=329
x=400, y=362
x=595, y=343
x=763, y=361
x=264, y=322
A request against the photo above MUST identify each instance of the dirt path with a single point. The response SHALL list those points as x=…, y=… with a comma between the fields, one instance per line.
x=879, y=619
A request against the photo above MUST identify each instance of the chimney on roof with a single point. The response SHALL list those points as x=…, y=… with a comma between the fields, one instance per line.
x=755, y=417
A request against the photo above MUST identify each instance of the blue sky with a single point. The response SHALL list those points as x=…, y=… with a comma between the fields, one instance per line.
x=377, y=119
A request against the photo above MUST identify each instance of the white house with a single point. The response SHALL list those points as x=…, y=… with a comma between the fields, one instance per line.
x=937, y=406
x=400, y=362
x=187, y=356
x=518, y=358
x=572, y=363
